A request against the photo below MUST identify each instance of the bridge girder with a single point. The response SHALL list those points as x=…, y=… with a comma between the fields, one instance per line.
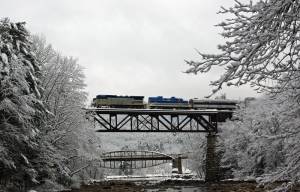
x=153, y=120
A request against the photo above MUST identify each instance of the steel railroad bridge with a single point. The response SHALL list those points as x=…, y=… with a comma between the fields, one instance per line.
x=165, y=120
x=157, y=120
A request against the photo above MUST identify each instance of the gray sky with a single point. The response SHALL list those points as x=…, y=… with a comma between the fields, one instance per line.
x=131, y=47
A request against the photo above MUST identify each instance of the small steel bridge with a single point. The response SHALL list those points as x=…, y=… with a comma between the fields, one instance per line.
x=137, y=159
x=157, y=120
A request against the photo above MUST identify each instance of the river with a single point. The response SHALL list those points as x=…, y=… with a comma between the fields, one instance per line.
x=171, y=186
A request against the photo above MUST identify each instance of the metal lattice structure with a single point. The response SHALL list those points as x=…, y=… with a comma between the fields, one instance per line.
x=157, y=120
x=135, y=159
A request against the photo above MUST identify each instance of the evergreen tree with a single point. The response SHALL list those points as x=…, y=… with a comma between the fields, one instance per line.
x=20, y=107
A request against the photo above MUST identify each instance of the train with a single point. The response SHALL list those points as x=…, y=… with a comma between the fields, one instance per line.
x=160, y=102
x=115, y=101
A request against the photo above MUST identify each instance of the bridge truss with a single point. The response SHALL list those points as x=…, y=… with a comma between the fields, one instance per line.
x=136, y=159
x=157, y=120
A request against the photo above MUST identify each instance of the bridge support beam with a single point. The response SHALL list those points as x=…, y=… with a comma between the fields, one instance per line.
x=212, y=167
x=177, y=163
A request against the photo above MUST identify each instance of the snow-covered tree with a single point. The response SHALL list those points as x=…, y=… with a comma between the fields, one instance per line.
x=248, y=139
x=64, y=96
x=262, y=47
x=20, y=108
x=264, y=142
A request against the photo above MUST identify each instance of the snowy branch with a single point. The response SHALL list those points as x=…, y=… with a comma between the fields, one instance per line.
x=263, y=46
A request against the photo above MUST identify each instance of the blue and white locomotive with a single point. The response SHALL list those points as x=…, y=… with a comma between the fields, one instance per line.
x=160, y=102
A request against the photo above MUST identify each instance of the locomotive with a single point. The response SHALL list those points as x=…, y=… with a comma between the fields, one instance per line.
x=220, y=104
x=115, y=101
x=167, y=103
x=159, y=102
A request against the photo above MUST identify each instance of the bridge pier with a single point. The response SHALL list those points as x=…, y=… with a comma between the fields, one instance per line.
x=177, y=163
x=212, y=167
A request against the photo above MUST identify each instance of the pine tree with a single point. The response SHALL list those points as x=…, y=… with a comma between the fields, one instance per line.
x=20, y=107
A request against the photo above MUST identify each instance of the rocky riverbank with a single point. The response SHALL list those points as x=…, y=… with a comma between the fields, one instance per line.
x=176, y=186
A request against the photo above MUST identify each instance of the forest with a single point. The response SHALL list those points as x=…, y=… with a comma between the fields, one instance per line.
x=46, y=143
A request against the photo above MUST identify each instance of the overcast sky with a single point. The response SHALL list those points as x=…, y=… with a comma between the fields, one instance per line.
x=131, y=47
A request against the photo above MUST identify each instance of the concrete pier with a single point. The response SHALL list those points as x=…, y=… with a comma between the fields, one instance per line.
x=177, y=163
x=212, y=167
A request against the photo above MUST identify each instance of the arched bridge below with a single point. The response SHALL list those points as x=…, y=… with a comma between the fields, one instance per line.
x=139, y=159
